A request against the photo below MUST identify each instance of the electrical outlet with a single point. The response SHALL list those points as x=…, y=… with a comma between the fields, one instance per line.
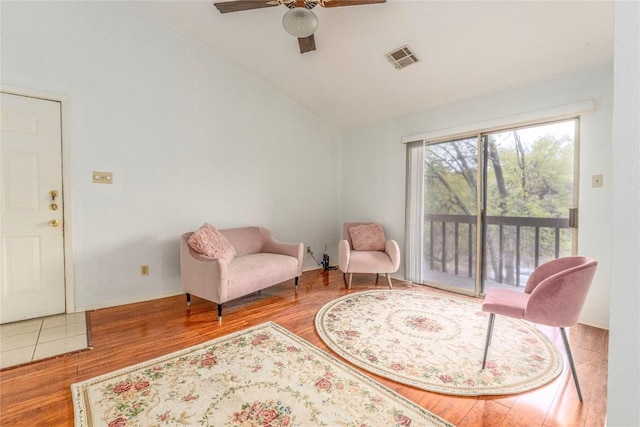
x=308, y=249
x=144, y=270
x=102, y=177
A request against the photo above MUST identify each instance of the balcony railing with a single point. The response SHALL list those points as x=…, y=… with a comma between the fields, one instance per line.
x=451, y=243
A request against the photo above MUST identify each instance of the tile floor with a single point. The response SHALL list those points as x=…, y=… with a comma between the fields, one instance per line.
x=36, y=339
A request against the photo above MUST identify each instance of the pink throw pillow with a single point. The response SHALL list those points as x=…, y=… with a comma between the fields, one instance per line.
x=369, y=237
x=210, y=242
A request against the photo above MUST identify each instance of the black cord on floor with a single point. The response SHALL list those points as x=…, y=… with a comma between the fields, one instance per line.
x=325, y=265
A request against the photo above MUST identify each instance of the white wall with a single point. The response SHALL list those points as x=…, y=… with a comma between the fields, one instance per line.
x=624, y=338
x=188, y=136
x=373, y=163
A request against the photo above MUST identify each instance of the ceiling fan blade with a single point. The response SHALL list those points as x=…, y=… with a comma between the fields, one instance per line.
x=307, y=44
x=240, y=5
x=339, y=3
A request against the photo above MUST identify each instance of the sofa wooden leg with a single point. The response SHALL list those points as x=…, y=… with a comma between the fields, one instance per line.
x=296, y=283
x=188, y=300
x=219, y=312
x=389, y=280
x=349, y=282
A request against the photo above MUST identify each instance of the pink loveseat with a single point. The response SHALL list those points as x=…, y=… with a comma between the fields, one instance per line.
x=260, y=261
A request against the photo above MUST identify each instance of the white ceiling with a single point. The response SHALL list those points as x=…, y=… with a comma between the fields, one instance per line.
x=466, y=49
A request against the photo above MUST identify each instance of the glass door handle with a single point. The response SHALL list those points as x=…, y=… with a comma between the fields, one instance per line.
x=573, y=217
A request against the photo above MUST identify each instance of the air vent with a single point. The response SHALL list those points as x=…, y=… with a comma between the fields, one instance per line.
x=401, y=57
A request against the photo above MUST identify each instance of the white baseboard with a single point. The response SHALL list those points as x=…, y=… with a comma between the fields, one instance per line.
x=594, y=324
x=168, y=294
x=129, y=301
x=315, y=267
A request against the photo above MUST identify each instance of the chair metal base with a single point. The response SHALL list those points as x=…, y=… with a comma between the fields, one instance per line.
x=570, y=357
x=492, y=318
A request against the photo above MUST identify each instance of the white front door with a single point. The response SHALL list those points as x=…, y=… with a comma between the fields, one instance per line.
x=32, y=252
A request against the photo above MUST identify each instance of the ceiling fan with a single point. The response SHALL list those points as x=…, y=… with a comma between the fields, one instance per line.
x=299, y=20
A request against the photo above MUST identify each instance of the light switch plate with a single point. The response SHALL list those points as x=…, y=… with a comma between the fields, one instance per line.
x=102, y=177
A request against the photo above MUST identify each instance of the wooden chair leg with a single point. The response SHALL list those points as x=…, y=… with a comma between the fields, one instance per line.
x=492, y=318
x=570, y=357
x=389, y=280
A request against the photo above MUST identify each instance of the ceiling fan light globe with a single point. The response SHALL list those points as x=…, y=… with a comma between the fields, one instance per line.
x=300, y=22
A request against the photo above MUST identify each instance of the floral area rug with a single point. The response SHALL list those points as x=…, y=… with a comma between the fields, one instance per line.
x=262, y=376
x=436, y=342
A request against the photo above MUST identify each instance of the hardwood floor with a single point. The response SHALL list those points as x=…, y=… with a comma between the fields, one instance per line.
x=39, y=394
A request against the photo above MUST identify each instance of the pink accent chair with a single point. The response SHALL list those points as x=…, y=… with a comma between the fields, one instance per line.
x=379, y=262
x=554, y=296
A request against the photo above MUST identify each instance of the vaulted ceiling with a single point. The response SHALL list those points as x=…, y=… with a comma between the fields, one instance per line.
x=465, y=49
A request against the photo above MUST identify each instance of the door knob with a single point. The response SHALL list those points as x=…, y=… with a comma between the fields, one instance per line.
x=54, y=223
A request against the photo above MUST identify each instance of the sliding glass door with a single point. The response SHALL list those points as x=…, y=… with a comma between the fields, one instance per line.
x=529, y=196
x=451, y=213
x=497, y=205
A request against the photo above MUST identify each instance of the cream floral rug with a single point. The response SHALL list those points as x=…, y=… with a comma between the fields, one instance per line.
x=435, y=342
x=262, y=376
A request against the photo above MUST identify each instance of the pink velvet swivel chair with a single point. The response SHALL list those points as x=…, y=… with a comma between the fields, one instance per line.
x=553, y=296
x=365, y=249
